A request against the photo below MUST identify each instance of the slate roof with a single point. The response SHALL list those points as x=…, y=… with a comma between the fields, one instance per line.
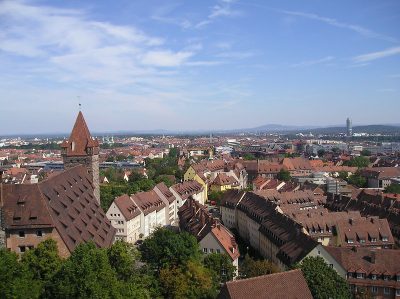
x=290, y=285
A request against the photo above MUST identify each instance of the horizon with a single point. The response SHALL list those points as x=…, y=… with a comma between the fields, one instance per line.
x=206, y=66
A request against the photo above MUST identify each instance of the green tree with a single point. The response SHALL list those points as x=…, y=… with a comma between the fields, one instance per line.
x=254, y=268
x=87, y=273
x=43, y=261
x=190, y=280
x=359, y=162
x=323, y=281
x=365, y=153
x=321, y=152
x=16, y=281
x=248, y=156
x=393, y=188
x=343, y=175
x=164, y=248
x=221, y=266
x=284, y=175
x=123, y=258
x=357, y=180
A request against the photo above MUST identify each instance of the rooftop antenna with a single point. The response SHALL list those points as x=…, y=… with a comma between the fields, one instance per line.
x=80, y=105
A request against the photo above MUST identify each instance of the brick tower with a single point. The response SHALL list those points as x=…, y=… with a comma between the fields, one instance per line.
x=82, y=148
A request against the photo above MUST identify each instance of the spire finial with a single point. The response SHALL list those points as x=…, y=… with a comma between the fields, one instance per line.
x=79, y=103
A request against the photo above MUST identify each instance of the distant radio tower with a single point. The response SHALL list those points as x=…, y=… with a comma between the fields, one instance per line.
x=349, y=126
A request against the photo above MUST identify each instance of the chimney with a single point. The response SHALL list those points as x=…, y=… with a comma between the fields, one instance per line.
x=373, y=257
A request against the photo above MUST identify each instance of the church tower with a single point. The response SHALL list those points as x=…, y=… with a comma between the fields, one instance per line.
x=82, y=148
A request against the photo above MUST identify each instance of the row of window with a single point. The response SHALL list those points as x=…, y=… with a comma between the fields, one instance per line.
x=115, y=215
x=23, y=248
x=372, y=276
x=375, y=290
x=39, y=233
x=211, y=250
x=372, y=240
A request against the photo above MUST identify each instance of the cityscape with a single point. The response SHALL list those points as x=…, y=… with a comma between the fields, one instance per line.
x=171, y=150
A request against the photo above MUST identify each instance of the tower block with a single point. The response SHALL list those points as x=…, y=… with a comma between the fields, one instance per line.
x=81, y=148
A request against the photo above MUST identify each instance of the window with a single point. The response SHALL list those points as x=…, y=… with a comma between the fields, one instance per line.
x=374, y=289
x=386, y=291
x=22, y=248
x=211, y=250
x=360, y=275
x=398, y=277
x=373, y=276
x=218, y=251
x=398, y=292
x=362, y=241
x=350, y=241
x=331, y=265
x=21, y=234
x=205, y=250
x=373, y=240
x=384, y=239
x=39, y=233
x=386, y=277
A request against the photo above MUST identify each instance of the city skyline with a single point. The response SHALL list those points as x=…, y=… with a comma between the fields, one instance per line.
x=214, y=65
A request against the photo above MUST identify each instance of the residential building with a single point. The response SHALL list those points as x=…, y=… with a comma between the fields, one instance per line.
x=124, y=216
x=184, y=190
x=377, y=271
x=380, y=177
x=213, y=237
x=171, y=209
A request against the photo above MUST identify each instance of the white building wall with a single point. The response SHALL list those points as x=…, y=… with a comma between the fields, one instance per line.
x=118, y=221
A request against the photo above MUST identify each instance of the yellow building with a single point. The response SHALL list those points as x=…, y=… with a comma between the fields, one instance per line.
x=224, y=182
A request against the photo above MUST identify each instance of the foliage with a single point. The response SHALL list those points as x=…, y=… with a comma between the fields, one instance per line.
x=336, y=150
x=343, y=175
x=357, y=180
x=16, y=281
x=321, y=152
x=248, y=156
x=216, y=196
x=165, y=179
x=393, y=188
x=366, y=153
x=86, y=274
x=221, y=266
x=43, y=261
x=323, y=281
x=123, y=257
x=165, y=248
x=284, y=175
x=359, y=162
x=254, y=268
x=190, y=280
x=111, y=145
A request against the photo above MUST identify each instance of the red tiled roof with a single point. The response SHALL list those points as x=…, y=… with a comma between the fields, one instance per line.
x=80, y=139
x=288, y=285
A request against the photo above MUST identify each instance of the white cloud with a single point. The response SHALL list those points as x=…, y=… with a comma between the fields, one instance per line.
x=333, y=22
x=166, y=58
x=313, y=62
x=222, y=9
x=377, y=55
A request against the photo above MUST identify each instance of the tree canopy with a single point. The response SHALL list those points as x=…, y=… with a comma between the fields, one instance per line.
x=323, y=281
x=284, y=175
x=166, y=248
x=253, y=268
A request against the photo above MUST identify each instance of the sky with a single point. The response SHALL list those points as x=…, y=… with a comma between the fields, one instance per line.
x=197, y=65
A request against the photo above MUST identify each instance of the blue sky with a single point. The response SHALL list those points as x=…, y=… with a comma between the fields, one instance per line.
x=209, y=64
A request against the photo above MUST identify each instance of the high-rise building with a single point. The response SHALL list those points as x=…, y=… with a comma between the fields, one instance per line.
x=349, y=127
x=82, y=148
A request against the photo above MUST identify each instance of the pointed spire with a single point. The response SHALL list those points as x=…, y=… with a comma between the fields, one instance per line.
x=80, y=140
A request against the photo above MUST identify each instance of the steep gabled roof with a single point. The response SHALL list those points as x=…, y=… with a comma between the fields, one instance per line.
x=80, y=139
